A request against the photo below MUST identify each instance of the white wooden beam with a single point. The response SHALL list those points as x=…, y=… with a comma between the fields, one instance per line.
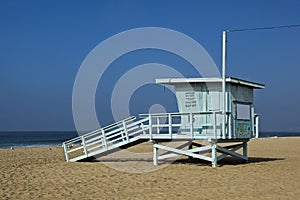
x=182, y=152
x=204, y=149
x=232, y=153
x=233, y=148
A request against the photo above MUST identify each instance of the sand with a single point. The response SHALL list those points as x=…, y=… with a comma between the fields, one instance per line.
x=42, y=173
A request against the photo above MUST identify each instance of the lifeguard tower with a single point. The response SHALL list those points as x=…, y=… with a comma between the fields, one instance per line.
x=200, y=118
x=211, y=111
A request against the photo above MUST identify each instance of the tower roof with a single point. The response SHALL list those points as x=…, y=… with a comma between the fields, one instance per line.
x=174, y=81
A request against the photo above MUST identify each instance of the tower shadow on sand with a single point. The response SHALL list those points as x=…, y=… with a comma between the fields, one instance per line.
x=226, y=161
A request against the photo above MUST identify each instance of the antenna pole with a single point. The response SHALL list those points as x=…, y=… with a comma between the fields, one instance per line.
x=224, y=81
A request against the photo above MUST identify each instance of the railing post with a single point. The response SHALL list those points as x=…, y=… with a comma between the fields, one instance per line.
x=157, y=124
x=229, y=126
x=150, y=126
x=256, y=126
x=66, y=152
x=104, y=138
x=143, y=128
x=215, y=124
x=170, y=124
x=125, y=131
x=191, y=125
x=253, y=133
x=226, y=122
x=84, y=146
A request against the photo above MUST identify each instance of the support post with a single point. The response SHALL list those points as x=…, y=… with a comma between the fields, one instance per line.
x=245, y=149
x=190, y=147
x=66, y=152
x=214, y=153
x=155, y=154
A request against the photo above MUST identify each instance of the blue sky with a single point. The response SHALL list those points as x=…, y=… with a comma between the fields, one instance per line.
x=43, y=43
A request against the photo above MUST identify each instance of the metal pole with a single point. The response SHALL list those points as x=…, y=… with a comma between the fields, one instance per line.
x=224, y=80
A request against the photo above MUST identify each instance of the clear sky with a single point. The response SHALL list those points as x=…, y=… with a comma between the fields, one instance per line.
x=43, y=43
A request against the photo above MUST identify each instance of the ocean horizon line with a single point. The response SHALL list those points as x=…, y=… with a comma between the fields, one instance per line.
x=22, y=139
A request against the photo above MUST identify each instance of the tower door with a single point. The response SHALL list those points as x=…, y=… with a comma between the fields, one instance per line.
x=243, y=122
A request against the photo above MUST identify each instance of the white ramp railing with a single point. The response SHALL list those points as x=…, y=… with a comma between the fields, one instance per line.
x=104, y=139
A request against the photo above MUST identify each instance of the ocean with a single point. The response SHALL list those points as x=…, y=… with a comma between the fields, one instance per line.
x=21, y=139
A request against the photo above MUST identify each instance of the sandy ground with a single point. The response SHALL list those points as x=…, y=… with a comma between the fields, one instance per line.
x=42, y=173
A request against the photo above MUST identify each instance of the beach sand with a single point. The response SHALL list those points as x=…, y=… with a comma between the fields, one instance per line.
x=42, y=173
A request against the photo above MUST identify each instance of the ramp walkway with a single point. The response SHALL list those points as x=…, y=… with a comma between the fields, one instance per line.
x=104, y=140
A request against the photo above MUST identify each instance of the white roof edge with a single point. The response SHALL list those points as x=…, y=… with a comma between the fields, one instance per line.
x=172, y=81
x=244, y=82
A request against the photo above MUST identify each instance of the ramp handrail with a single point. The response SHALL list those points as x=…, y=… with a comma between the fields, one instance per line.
x=98, y=130
x=104, y=138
